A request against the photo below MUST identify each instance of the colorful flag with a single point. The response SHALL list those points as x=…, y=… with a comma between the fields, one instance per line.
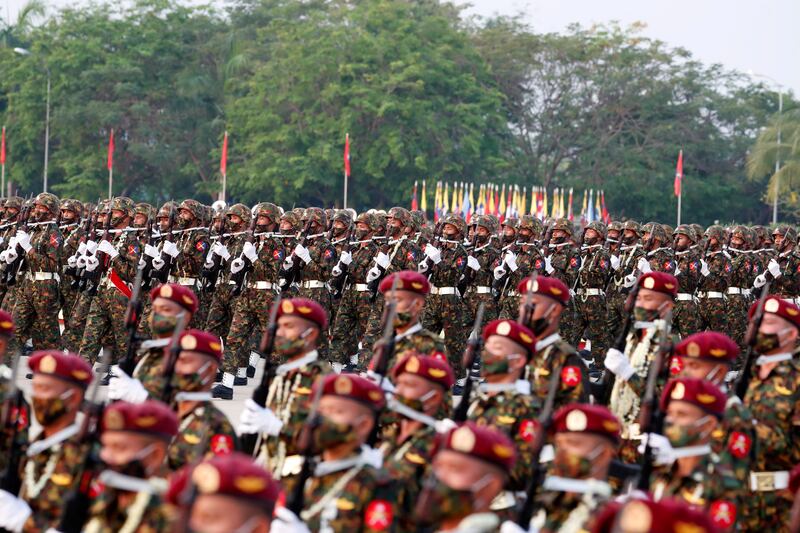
x=423, y=204
x=437, y=197
x=606, y=216
x=570, y=216
x=583, y=209
x=502, y=206
x=414, y=204
x=590, y=212
x=223, y=160
x=347, y=154
x=110, y=163
x=544, y=203
x=562, y=209
x=679, y=174
x=445, y=200
x=454, y=205
x=523, y=200
x=598, y=213
x=3, y=148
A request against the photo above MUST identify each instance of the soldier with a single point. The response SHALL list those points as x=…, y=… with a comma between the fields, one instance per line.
x=614, y=237
x=585, y=442
x=470, y=468
x=53, y=459
x=553, y=356
x=687, y=271
x=693, y=409
x=478, y=276
x=232, y=494
x=342, y=224
x=204, y=429
x=739, y=294
x=11, y=215
x=74, y=235
x=143, y=213
x=644, y=514
x=301, y=323
x=349, y=490
x=37, y=301
x=716, y=271
x=660, y=256
x=290, y=229
x=134, y=442
x=421, y=398
x=528, y=259
x=262, y=259
x=784, y=269
x=355, y=304
x=505, y=263
x=626, y=272
x=589, y=291
x=188, y=254
x=118, y=260
x=772, y=397
x=563, y=263
x=16, y=419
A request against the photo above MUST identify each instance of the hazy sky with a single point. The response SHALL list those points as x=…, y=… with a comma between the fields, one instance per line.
x=757, y=35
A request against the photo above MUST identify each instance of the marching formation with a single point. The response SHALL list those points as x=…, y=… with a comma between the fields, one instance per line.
x=463, y=376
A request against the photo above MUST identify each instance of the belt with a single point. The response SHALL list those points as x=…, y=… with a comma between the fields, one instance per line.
x=183, y=281
x=482, y=289
x=261, y=285
x=739, y=290
x=685, y=297
x=312, y=284
x=42, y=276
x=591, y=292
x=710, y=295
x=361, y=287
x=443, y=291
x=769, y=481
x=512, y=293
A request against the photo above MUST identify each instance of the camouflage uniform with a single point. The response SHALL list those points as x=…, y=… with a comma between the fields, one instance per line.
x=11, y=208
x=714, y=286
x=564, y=264
x=74, y=234
x=590, y=299
x=557, y=508
x=108, y=517
x=739, y=295
x=734, y=441
x=787, y=285
x=558, y=356
x=615, y=299
x=314, y=275
x=417, y=339
x=661, y=258
x=204, y=424
x=193, y=244
x=478, y=286
x=150, y=365
x=685, y=317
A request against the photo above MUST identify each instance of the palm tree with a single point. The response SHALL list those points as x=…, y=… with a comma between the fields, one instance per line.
x=761, y=160
x=15, y=35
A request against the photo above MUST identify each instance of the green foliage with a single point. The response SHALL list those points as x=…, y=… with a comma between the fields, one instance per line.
x=767, y=151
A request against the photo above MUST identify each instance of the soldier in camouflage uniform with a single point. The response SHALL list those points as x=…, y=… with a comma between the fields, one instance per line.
x=716, y=274
x=501, y=270
x=189, y=254
x=686, y=319
x=444, y=308
x=626, y=271
x=660, y=256
x=783, y=269
x=36, y=308
x=341, y=228
x=252, y=307
x=478, y=276
x=74, y=234
x=589, y=290
x=355, y=304
x=528, y=260
x=225, y=248
x=204, y=430
x=741, y=280
x=563, y=263
x=11, y=215
x=289, y=232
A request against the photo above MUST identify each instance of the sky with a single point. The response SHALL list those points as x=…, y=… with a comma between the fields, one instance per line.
x=746, y=35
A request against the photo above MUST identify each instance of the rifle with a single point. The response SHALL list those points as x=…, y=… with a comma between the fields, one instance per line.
x=545, y=420
x=339, y=282
x=651, y=418
x=743, y=382
x=147, y=270
x=294, y=271
x=79, y=283
x=73, y=271
x=610, y=379
x=212, y=265
x=470, y=355
x=80, y=498
x=132, y=314
x=248, y=440
x=93, y=278
x=238, y=278
x=162, y=275
x=13, y=404
x=15, y=267
x=469, y=275
x=305, y=443
x=526, y=316
x=172, y=358
x=437, y=238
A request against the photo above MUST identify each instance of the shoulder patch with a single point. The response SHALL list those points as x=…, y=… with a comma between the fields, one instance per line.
x=527, y=430
x=221, y=444
x=379, y=515
x=739, y=444
x=329, y=254
x=574, y=262
x=723, y=513
x=571, y=376
x=201, y=245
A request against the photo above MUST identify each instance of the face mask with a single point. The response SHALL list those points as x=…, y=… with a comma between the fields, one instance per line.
x=135, y=467
x=493, y=366
x=162, y=325
x=36, y=216
x=395, y=231
x=640, y=314
x=117, y=219
x=361, y=234
x=442, y=502
x=417, y=404
x=291, y=347
x=49, y=410
x=558, y=240
x=508, y=238
x=629, y=241
x=575, y=466
x=767, y=342
x=329, y=434
x=590, y=241
x=683, y=436
x=191, y=382
x=338, y=232
x=451, y=236
x=538, y=325
x=181, y=222
x=402, y=319
x=481, y=239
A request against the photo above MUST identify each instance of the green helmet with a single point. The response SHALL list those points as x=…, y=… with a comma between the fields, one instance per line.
x=269, y=209
x=632, y=225
x=241, y=211
x=402, y=214
x=531, y=223
x=564, y=225
x=14, y=202
x=488, y=222
x=194, y=207
x=510, y=222
x=50, y=201
x=686, y=229
x=123, y=203
x=317, y=215
x=716, y=232
x=456, y=221
x=75, y=206
x=369, y=219
x=788, y=232
x=599, y=227
x=292, y=218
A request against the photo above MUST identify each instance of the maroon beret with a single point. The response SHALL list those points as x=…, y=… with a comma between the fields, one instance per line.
x=183, y=296
x=304, y=308
x=708, y=345
x=512, y=330
x=663, y=516
x=433, y=368
x=353, y=387
x=194, y=340
x=6, y=323
x=778, y=306
x=149, y=418
x=481, y=442
x=659, y=282
x=67, y=366
x=407, y=280
x=586, y=418
x=699, y=392
x=546, y=286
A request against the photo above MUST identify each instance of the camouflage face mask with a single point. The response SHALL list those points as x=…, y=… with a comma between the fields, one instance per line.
x=48, y=410
x=329, y=434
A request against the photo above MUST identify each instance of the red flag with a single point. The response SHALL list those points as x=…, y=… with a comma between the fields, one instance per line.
x=679, y=174
x=347, y=155
x=223, y=161
x=414, y=205
x=110, y=164
x=606, y=216
x=3, y=148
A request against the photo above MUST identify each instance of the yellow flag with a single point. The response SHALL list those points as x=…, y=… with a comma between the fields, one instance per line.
x=423, y=204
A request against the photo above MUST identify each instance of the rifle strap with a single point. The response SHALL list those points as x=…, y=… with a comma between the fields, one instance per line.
x=332, y=494
x=120, y=284
x=45, y=444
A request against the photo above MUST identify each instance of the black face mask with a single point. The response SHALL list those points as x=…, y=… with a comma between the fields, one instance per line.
x=338, y=231
x=558, y=240
x=629, y=240
x=361, y=234
x=508, y=238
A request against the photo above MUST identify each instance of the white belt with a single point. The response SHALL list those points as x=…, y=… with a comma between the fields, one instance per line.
x=43, y=276
x=591, y=292
x=442, y=291
x=685, y=297
x=482, y=289
x=261, y=285
x=710, y=295
x=312, y=284
x=739, y=290
x=361, y=287
x=769, y=481
x=183, y=281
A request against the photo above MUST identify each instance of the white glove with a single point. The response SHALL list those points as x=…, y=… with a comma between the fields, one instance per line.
x=257, y=419
x=548, y=265
x=92, y=263
x=157, y=263
x=572, y=293
x=249, y=251
x=382, y=260
x=288, y=263
x=677, y=272
x=108, y=248
x=618, y=364
x=704, y=268
x=662, y=449
x=511, y=527
x=72, y=262
x=123, y=387
x=13, y=512
x=434, y=253
x=346, y=258
x=24, y=240
x=373, y=274
x=237, y=265
x=473, y=263
x=629, y=281
x=9, y=256
x=81, y=249
x=81, y=262
x=760, y=281
x=511, y=260
x=91, y=246
x=615, y=262
x=303, y=253
x=774, y=268
x=499, y=272
x=171, y=249
x=336, y=271
x=151, y=251
x=286, y=521
x=643, y=265
x=444, y=425
x=423, y=266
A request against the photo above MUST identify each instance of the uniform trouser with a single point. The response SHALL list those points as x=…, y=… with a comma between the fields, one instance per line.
x=686, y=319
x=373, y=332
x=106, y=319
x=352, y=316
x=765, y=511
x=220, y=312
x=590, y=319
x=472, y=300
x=446, y=312
x=713, y=315
x=509, y=307
x=569, y=324
x=736, y=310
x=36, y=315
x=250, y=311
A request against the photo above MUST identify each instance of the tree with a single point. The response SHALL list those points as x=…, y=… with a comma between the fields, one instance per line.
x=767, y=151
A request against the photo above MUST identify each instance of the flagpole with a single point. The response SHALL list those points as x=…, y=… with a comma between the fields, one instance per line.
x=679, y=205
x=347, y=144
x=224, y=166
x=111, y=164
